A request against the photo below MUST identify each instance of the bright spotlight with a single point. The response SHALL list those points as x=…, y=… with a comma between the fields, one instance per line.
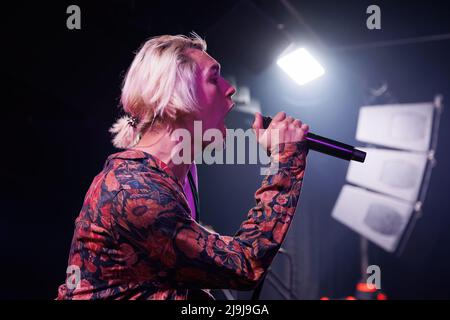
x=301, y=66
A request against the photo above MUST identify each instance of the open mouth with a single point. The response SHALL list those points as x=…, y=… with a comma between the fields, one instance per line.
x=226, y=114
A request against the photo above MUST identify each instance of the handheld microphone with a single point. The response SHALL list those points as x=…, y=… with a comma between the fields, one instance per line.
x=328, y=146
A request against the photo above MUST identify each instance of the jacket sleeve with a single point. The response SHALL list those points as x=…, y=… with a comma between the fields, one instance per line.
x=184, y=254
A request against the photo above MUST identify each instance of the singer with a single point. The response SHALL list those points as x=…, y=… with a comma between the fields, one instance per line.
x=135, y=237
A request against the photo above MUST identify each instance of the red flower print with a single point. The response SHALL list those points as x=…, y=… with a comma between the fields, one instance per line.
x=141, y=212
x=187, y=241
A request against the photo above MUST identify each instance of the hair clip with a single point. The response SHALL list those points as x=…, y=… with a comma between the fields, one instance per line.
x=133, y=121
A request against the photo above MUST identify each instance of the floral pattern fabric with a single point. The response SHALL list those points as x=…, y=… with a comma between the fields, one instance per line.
x=135, y=238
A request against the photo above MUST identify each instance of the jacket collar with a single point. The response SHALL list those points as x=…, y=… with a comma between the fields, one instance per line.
x=146, y=158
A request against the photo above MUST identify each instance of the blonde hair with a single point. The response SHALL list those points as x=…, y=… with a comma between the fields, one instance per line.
x=159, y=87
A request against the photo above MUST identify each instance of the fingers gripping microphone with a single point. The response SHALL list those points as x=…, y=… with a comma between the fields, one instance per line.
x=331, y=147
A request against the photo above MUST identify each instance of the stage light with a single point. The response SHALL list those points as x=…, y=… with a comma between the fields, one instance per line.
x=401, y=126
x=377, y=217
x=392, y=172
x=301, y=66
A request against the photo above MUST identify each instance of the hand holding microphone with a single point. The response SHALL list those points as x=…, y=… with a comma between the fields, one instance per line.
x=294, y=130
x=289, y=130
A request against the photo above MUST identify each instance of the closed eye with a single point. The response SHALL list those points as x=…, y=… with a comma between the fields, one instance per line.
x=214, y=70
x=214, y=80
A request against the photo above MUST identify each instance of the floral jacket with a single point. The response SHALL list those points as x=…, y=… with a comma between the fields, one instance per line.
x=135, y=238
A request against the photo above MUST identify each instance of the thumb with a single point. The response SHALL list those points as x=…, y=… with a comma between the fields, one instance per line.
x=258, y=123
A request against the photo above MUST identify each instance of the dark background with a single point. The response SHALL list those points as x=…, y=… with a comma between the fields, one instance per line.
x=62, y=91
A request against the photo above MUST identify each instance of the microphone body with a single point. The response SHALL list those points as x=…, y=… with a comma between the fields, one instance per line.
x=328, y=146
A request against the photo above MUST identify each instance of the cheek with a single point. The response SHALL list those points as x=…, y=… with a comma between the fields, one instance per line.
x=205, y=96
x=201, y=97
x=211, y=100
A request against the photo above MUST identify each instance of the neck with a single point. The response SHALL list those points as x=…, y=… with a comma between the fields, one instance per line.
x=159, y=144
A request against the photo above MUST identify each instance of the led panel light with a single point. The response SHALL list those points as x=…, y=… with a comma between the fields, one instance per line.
x=301, y=66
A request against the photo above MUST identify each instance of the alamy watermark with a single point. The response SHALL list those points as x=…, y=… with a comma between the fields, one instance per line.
x=374, y=20
x=73, y=277
x=374, y=279
x=73, y=21
x=207, y=147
